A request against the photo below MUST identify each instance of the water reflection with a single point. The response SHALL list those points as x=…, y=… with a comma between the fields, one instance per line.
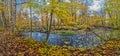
x=81, y=40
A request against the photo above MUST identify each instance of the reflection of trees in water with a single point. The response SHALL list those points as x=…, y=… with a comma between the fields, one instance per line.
x=89, y=39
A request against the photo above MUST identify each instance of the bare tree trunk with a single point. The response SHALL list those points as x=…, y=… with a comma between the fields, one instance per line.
x=3, y=17
x=14, y=20
x=49, y=28
x=30, y=22
x=2, y=21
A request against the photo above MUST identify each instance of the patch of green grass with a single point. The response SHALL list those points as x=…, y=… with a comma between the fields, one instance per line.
x=65, y=33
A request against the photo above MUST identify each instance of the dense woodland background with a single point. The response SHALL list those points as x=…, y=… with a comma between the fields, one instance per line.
x=59, y=17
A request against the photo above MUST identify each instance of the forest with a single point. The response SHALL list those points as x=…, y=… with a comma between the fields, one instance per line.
x=59, y=27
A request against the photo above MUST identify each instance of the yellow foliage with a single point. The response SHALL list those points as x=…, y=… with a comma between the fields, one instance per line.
x=22, y=22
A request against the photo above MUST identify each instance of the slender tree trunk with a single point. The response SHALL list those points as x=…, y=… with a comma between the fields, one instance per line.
x=14, y=20
x=2, y=21
x=50, y=27
x=11, y=20
x=47, y=22
x=3, y=17
x=30, y=22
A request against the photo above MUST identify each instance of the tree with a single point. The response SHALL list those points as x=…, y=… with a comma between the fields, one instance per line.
x=31, y=5
x=113, y=19
x=55, y=10
x=3, y=17
x=58, y=11
x=112, y=10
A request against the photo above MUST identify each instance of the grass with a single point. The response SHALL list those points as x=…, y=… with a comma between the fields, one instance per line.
x=65, y=33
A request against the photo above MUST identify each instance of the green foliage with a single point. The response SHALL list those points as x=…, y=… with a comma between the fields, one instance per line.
x=32, y=4
x=113, y=10
x=43, y=51
x=22, y=23
x=63, y=12
x=65, y=33
x=114, y=34
x=31, y=42
x=57, y=9
x=82, y=49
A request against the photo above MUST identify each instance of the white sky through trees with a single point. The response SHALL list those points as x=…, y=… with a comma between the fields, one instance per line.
x=96, y=4
x=93, y=5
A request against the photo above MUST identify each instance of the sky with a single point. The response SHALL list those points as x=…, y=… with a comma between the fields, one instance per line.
x=93, y=5
x=97, y=5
